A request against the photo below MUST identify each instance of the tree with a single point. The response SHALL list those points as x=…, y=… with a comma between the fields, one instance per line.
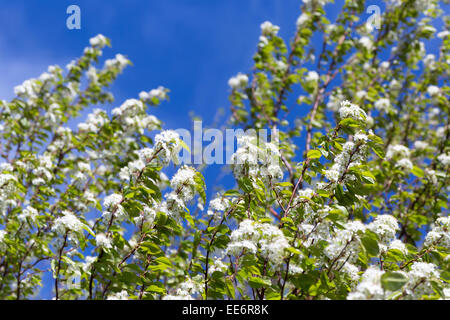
x=349, y=201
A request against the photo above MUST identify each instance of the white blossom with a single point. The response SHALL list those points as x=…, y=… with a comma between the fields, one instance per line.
x=366, y=42
x=112, y=200
x=444, y=159
x=302, y=19
x=383, y=104
x=419, y=280
x=2, y=236
x=252, y=235
x=98, y=41
x=397, y=150
x=217, y=206
x=256, y=158
x=351, y=155
x=443, y=34
x=350, y=110
x=404, y=164
x=119, y=62
x=186, y=290
x=312, y=76
x=369, y=287
x=335, y=101
x=103, y=241
x=429, y=61
x=68, y=222
x=267, y=28
x=420, y=145
x=433, y=90
x=122, y=295
x=361, y=94
x=344, y=246
x=398, y=245
x=440, y=234
x=384, y=65
x=385, y=227
x=167, y=144
x=238, y=82
x=94, y=122
x=218, y=266
x=28, y=213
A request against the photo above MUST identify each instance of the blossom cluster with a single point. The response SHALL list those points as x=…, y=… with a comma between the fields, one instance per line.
x=401, y=154
x=252, y=236
x=353, y=154
x=351, y=110
x=184, y=185
x=256, y=158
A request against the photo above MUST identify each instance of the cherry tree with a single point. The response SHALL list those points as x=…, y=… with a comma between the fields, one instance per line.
x=350, y=203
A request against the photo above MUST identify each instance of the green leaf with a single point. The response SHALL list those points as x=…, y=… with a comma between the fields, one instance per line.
x=371, y=245
x=369, y=175
x=273, y=296
x=164, y=260
x=230, y=288
x=343, y=198
x=394, y=255
x=85, y=227
x=257, y=283
x=246, y=184
x=155, y=288
x=284, y=184
x=150, y=248
x=184, y=145
x=445, y=275
x=293, y=250
x=378, y=149
x=349, y=122
x=417, y=172
x=438, y=288
x=375, y=139
x=393, y=281
x=231, y=193
x=314, y=154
